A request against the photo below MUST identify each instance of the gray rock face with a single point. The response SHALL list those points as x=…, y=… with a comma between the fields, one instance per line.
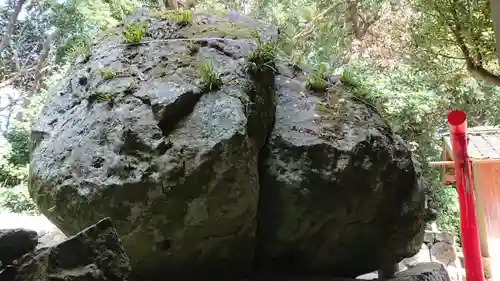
x=336, y=180
x=94, y=254
x=431, y=271
x=194, y=176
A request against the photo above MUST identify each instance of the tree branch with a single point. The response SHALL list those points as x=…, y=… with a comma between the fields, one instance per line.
x=353, y=18
x=41, y=63
x=474, y=68
x=10, y=80
x=310, y=26
x=10, y=25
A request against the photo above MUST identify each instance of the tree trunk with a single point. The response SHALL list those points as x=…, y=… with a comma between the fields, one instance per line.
x=495, y=16
x=161, y=5
x=42, y=62
x=10, y=25
x=173, y=4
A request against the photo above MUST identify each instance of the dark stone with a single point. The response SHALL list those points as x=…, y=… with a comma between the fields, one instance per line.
x=340, y=194
x=8, y=273
x=388, y=271
x=14, y=243
x=429, y=271
x=94, y=254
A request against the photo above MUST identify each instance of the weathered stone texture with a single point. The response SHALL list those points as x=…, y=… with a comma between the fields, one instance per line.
x=94, y=254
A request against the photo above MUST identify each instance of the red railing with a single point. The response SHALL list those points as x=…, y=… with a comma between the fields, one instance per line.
x=468, y=219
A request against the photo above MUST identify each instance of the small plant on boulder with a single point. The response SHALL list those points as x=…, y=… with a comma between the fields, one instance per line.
x=81, y=47
x=100, y=97
x=181, y=17
x=210, y=77
x=316, y=80
x=134, y=32
x=352, y=82
x=263, y=56
x=107, y=74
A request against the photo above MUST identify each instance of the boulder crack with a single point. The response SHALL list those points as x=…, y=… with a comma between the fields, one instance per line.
x=263, y=98
x=170, y=115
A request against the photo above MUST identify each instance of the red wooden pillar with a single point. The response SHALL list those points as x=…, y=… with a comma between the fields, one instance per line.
x=468, y=219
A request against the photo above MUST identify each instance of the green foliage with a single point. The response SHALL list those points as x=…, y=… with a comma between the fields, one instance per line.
x=14, y=156
x=316, y=80
x=16, y=199
x=448, y=209
x=297, y=59
x=18, y=137
x=100, y=97
x=134, y=32
x=80, y=48
x=11, y=175
x=182, y=17
x=76, y=46
x=354, y=82
x=102, y=14
x=442, y=28
x=263, y=56
x=210, y=77
x=107, y=74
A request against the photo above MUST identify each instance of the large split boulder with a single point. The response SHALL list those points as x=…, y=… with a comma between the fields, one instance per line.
x=203, y=175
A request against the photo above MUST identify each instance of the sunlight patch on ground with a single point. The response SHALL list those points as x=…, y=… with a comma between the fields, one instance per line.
x=12, y=220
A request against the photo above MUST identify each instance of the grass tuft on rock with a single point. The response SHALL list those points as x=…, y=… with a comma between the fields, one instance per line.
x=263, y=56
x=210, y=77
x=183, y=17
x=134, y=33
x=352, y=82
x=107, y=74
x=316, y=81
x=81, y=48
x=100, y=97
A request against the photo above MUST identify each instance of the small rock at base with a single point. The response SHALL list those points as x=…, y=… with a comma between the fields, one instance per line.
x=16, y=242
x=429, y=271
x=94, y=254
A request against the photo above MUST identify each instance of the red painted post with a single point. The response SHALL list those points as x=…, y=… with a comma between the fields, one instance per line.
x=468, y=219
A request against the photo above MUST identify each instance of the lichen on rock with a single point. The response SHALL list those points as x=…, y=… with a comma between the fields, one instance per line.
x=201, y=180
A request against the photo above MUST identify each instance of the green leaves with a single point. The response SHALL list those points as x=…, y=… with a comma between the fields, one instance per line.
x=16, y=199
x=75, y=47
x=107, y=74
x=183, y=17
x=134, y=32
x=210, y=77
x=316, y=80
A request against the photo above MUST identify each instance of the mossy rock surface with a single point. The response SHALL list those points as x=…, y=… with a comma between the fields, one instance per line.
x=257, y=173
